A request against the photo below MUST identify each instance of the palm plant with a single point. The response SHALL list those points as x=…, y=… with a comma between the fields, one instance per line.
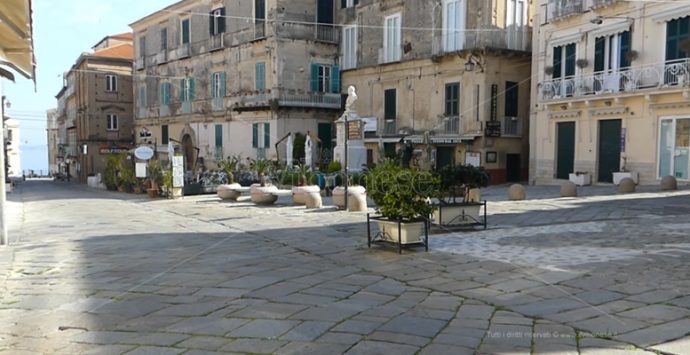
x=230, y=165
x=262, y=168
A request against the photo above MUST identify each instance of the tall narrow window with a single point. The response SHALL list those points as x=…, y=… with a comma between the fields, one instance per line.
x=452, y=99
x=516, y=24
x=111, y=122
x=184, y=33
x=391, y=38
x=255, y=135
x=164, y=38
x=142, y=46
x=217, y=21
x=453, y=25
x=219, y=136
x=349, y=47
x=260, y=76
x=165, y=93
x=142, y=96
x=564, y=60
x=511, y=99
x=267, y=135
x=677, y=31
x=218, y=84
x=164, y=134
x=390, y=104
x=111, y=83
x=187, y=90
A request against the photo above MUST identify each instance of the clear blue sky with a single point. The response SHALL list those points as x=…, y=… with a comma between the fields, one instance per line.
x=62, y=31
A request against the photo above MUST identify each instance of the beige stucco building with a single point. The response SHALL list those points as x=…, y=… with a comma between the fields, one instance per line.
x=52, y=140
x=94, y=115
x=611, y=90
x=221, y=78
x=458, y=69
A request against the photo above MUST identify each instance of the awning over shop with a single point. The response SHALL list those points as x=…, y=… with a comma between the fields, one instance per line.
x=16, y=38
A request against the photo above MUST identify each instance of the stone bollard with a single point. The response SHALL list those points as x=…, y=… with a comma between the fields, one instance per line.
x=669, y=183
x=313, y=199
x=516, y=192
x=568, y=189
x=626, y=186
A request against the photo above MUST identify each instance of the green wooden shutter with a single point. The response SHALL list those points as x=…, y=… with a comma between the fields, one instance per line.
x=219, y=136
x=255, y=135
x=335, y=78
x=557, y=54
x=267, y=135
x=210, y=22
x=221, y=21
x=260, y=76
x=599, y=52
x=164, y=134
x=182, y=89
x=624, y=49
x=222, y=84
x=161, y=95
x=343, y=4
x=314, y=77
x=191, y=89
x=570, y=59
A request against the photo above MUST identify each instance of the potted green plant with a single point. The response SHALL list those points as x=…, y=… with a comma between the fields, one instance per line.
x=112, y=165
x=229, y=191
x=168, y=182
x=401, y=196
x=458, y=184
x=155, y=177
x=262, y=193
x=303, y=188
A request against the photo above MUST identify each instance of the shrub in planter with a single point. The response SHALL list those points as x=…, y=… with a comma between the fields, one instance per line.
x=457, y=183
x=401, y=195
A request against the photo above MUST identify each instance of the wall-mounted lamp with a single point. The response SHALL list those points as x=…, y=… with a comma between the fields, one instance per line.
x=472, y=63
x=600, y=19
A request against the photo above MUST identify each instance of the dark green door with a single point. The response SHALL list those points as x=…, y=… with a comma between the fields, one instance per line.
x=609, y=149
x=445, y=156
x=513, y=170
x=565, y=149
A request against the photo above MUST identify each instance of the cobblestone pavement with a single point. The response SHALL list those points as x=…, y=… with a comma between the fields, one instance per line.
x=108, y=273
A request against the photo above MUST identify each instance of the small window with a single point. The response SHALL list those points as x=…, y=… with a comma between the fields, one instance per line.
x=164, y=38
x=348, y=3
x=111, y=83
x=185, y=31
x=165, y=94
x=187, y=90
x=324, y=78
x=260, y=76
x=217, y=21
x=111, y=122
x=390, y=105
x=218, y=84
x=452, y=99
x=164, y=133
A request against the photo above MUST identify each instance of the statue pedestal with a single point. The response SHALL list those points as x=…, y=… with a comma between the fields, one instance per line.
x=356, y=151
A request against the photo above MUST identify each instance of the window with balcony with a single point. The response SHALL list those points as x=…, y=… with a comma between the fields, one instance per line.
x=164, y=38
x=511, y=122
x=348, y=3
x=142, y=46
x=219, y=141
x=111, y=122
x=260, y=76
x=453, y=25
x=564, y=58
x=392, y=38
x=111, y=83
x=349, y=47
x=609, y=58
x=184, y=31
x=217, y=21
x=325, y=78
x=516, y=24
x=218, y=84
x=451, y=113
x=261, y=141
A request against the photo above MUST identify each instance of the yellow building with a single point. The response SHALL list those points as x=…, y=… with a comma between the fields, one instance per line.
x=611, y=91
x=457, y=69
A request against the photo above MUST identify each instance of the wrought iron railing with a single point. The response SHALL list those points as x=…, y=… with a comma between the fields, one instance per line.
x=259, y=29
x=630, y=79
x=327, y=33
x=290, y=98
x=512, y=126
x=602, y=3
x=448, y=125
x=512, y=38
x=216, y=41
x=558, y=9
x=388, y=127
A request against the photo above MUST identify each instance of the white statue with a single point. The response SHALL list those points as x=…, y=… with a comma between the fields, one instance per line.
x=351, y=98
x=307, y=151
x=288, y=151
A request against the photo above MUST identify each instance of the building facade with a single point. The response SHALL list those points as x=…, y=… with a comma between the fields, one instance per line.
x=457, y=69
x=611, y=89
x=13, y=161
x=95, y=108
x=219, y=78
x=52, y=140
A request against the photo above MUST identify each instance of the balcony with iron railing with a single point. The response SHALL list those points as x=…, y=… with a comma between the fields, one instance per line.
x=303, y=31
x=216, y=42
x=642, y=79
x=602, y=3
x=259, y=30
x=387, y=127
x=560, y=9
x=448, y=125
x=287, y=98
x=514, y=38
x=511, y=127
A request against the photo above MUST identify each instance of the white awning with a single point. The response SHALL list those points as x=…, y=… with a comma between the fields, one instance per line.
x=16, y=37
x=675, y=12
x=565, y=39
x=611, y=30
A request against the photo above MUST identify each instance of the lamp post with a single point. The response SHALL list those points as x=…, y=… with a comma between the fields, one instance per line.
x=347, y=168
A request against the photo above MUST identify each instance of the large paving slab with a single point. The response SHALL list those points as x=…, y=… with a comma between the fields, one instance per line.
x=100, y=272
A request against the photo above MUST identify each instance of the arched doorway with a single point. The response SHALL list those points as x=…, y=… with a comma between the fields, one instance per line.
x=189, y=153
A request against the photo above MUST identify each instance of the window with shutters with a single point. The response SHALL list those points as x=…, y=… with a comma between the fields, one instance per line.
x=111, y=122
x=164, y=38
x=218, y=84
x=260, y=76
x=677, y=38
x=187, y=90
x=511, y=99
x=219, y=136
x=261, y=135
x=390, y=104
x=348, y=3
x=564, y=61
x=323, y=78
x=349, y=47
x=164, y=134
x=142, y=96
x=610, y=52
x=165, y=93
x=217, y=21
x=184, y=32
x=111, y=83
x=391, y=38
x=452, y=100
x=453, y=25
x=142, y=46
